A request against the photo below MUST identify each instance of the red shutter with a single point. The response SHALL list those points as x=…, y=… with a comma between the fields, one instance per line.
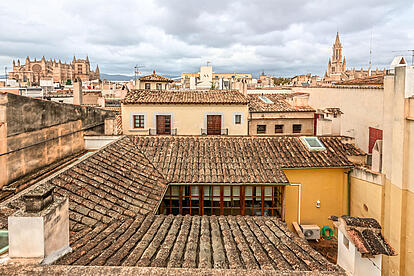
x=374, y=135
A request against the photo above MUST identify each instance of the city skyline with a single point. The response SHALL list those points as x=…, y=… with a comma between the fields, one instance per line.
x=282, y=39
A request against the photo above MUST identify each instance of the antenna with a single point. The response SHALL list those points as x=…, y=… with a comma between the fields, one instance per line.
x=412, y=54
x=370, y=56
x=136, y=72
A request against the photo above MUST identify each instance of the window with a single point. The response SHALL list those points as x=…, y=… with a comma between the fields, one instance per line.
x=265, y=99
x=148, y=86
x=261, y=129
x=278, y=128
x=138, y=121
x=346, y=242
x=79, y=68
x=250, y=200
x=297, y=128
x=237, y=119
x=159, y=86
x=313, y=143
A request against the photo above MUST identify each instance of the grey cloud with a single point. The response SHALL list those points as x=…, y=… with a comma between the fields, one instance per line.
x=174, y=36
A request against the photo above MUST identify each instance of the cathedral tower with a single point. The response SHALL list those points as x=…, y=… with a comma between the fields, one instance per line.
x=336, y=65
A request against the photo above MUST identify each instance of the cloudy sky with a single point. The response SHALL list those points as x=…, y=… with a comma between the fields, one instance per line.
x=282, y=38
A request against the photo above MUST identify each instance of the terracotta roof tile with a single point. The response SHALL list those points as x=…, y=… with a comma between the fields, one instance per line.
x=116, y=182
x=373, y=80
x=365, y=234
x=198, y=159
x=155, y=77
x=184, y=97
x=280, y=103
x=225, y=242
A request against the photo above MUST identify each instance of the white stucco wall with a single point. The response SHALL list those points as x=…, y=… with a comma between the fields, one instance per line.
x=352, y=261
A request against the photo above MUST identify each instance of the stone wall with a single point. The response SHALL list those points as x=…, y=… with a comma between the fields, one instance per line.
x=35, y=133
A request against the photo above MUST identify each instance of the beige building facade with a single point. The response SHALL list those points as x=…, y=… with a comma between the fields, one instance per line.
x=153, y=82
x=280, y=114
x=207, y=79
x=386, y=191
x=184, y=113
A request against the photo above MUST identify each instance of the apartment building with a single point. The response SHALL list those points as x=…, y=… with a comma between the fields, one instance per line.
x=190, y=112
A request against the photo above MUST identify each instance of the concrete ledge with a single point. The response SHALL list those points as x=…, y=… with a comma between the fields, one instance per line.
x=367, y=175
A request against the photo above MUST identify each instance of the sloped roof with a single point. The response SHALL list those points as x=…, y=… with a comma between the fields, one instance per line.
x=280, y=103
x=184, y=97
x=116, y=182
x=155, y=77
x=225, y=242
x=370, y=81
x=365, y=234
x=198, y=159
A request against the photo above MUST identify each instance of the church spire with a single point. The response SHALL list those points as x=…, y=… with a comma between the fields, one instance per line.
x=97, y=69
x=337, y=42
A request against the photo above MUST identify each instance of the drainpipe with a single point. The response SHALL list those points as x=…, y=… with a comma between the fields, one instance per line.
x=349, y=190
x=300, y=197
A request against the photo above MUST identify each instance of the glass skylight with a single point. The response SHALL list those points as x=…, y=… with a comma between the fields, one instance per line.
x=313, y=143
x=265, y=99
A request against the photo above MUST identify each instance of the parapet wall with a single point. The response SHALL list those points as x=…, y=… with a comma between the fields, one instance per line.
x=35, y=133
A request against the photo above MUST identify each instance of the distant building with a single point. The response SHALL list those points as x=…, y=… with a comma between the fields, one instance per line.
x=207, y=79
x=337, y=67
x=154, y=82
x=280, y=114
x=33, y=71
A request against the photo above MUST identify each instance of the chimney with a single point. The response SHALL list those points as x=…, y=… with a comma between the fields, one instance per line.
x=77, y=91
x=40, y=231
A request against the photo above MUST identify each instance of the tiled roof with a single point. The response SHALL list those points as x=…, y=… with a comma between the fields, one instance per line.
x=334, y=110
x=188, y=159
x=365, y=234
x=155, y=77
x=280, y=103
x=225, y=242
x=115, y=182
x=185, y=97
x=374, y=80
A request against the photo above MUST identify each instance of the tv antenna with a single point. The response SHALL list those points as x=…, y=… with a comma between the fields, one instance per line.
x=370, y=56
x=412, y=54
x=136, y=71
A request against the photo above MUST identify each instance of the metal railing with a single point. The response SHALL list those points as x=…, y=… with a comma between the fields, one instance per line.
x=153, y=131
x=224, y=131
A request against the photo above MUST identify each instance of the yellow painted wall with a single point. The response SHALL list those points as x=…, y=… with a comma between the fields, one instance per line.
x=399, y=229
x=329, y=186
x=368, y=194
x=187, y=119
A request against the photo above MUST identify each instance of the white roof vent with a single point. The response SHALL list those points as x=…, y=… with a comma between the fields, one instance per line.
x=313, y=143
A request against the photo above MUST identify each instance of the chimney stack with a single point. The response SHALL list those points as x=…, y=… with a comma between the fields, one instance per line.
x=40, y=231
x=77, y=91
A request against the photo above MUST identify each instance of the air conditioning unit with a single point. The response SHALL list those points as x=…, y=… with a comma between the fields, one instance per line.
x=311, y=232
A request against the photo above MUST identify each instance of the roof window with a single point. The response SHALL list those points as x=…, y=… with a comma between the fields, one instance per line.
x=265, y=99
x=313, y=143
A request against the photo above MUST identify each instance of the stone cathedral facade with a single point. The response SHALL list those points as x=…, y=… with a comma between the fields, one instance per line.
x=35, y=70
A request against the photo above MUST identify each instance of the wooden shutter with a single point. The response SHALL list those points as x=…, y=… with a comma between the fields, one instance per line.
x=213, y=124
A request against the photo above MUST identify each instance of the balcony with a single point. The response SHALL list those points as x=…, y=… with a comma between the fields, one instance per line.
x=153, y=131
x=224, y=131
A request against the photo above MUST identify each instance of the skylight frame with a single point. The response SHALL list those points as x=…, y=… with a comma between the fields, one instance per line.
x=265, y=99
x=312, y=143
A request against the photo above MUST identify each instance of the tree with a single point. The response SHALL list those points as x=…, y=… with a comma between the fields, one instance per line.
x=68, y=82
